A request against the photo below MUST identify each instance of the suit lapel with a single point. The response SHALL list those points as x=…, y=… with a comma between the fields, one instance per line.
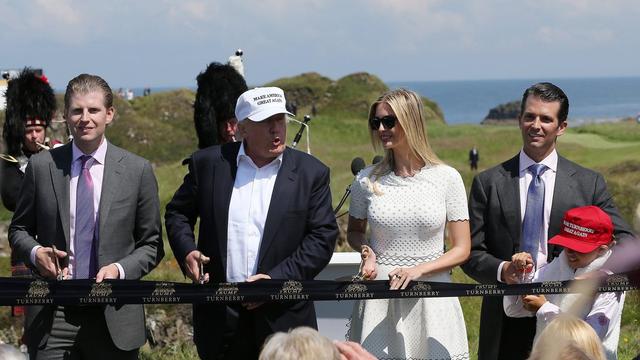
x=564, y=196
x=224, y=175
x=111, y=180
x=509, y=196
x=283, y=190
x=60, y=170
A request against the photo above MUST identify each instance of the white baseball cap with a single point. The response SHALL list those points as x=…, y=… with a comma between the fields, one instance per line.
x=260, y=103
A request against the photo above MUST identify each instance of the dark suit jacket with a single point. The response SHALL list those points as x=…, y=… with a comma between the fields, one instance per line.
x=130, y=231
x=495, y=216
x=298, y=240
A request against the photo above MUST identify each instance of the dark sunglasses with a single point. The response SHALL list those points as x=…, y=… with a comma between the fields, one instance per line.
x=388, y=122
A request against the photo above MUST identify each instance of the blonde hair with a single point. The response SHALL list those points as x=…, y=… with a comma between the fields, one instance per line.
x=408, y=108
x=567, y=330
x=302, y=343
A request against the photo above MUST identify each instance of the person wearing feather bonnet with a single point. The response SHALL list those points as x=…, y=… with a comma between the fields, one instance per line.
x=31, y=104
x=219, y=88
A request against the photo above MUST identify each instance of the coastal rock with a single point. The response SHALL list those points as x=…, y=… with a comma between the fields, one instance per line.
x=503, y=114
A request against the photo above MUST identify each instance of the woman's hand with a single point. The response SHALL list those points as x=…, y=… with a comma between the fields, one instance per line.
x=369, y=268
x=401, y=277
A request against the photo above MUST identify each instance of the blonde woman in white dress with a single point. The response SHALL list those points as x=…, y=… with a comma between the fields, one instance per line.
x=407, y=200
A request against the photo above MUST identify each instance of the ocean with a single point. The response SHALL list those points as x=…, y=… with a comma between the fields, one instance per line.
x=469, y=101
x=590, y=99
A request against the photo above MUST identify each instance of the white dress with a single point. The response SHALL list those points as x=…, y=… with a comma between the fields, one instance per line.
x=407, y=222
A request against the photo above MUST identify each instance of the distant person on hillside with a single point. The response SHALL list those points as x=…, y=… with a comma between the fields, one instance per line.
x=474, y=157
x=235, y=60
x=518, y=205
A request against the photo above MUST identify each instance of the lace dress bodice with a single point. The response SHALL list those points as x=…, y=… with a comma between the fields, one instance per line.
x=407, y=215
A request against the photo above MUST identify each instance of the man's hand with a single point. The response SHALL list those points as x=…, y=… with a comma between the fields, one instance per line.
x=509, y=274
x=108, y=272
x=523, y=262
x=192, y=265
x=533, y=302
x=252, y=278
x=350, y=350
x=46, y=262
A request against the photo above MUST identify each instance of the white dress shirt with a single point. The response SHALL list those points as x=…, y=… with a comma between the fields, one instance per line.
x=549, y=179
x=97, y=173
x=248, y=210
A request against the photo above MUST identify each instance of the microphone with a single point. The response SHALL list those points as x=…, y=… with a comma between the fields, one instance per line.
x=376, y=159
x=296, y=139
x=357, y=164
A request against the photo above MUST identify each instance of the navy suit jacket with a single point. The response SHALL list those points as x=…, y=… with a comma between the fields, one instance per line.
x=495, y=219
x=298, y=240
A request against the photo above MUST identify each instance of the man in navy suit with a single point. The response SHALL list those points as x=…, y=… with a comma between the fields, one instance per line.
x=265, y=213
x=497, y=211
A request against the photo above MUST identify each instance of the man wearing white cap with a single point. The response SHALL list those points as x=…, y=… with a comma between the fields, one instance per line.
x=265, y=213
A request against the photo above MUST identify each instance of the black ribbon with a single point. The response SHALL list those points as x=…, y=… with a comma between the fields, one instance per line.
x=21, y=291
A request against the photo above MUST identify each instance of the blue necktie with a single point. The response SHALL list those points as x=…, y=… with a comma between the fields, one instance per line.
x=85, y=239
x=532, y=226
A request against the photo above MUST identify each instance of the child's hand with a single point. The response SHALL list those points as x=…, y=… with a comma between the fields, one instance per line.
x=533, y=302
x=522, y=262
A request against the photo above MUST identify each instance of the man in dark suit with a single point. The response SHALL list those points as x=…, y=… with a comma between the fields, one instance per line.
x=265, y=213
x=499, y=200
x=95, y=208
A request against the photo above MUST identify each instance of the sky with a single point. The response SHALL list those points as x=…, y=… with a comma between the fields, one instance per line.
x=167, y=43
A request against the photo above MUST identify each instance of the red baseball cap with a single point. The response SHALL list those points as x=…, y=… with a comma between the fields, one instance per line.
x=584, y=229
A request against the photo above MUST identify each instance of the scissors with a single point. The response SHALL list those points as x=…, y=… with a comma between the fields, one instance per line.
x=59, y=275
x=201, y=278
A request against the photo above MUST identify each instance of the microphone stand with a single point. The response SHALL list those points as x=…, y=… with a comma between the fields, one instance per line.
x=303, y=124
x=347, y=192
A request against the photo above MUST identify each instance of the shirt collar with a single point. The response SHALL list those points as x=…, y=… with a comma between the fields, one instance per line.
x=551, y=161
x=98, y=155
x=243, y=155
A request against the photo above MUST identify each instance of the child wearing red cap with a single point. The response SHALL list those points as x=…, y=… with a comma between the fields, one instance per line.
x=587, y=237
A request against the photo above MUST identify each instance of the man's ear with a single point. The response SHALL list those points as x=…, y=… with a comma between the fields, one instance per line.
x=604, y=248
x=111, y=113
x=242, y=128
x=562, y=127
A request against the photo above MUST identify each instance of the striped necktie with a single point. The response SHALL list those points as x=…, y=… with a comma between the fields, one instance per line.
x=532, y=226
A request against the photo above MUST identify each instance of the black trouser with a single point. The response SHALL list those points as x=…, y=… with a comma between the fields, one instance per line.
x=78, y=333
